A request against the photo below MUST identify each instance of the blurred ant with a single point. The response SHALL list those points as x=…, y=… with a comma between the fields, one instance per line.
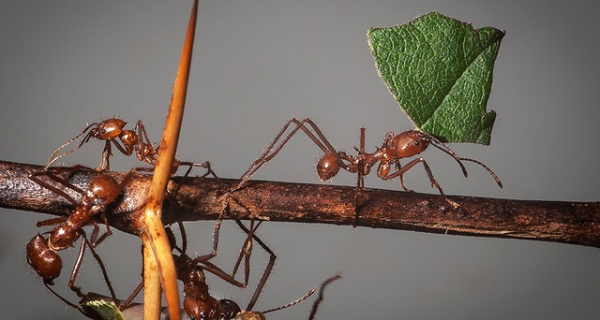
x=395, y=147
x=126, y=141
x=42, y=253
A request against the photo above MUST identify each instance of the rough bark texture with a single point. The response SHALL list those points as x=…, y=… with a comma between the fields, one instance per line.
x=202, y=199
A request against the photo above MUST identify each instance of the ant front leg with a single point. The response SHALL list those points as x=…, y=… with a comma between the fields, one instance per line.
x=384, y=167
x=105, y=160
x=402, y=184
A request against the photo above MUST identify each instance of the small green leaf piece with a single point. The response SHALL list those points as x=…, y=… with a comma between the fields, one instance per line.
x=106, y=310
x=440, y=71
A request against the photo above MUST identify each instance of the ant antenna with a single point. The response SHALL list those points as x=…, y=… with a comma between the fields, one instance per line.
x=53, y=158
x=442, y=146
x=319, y=299
x=293, y=303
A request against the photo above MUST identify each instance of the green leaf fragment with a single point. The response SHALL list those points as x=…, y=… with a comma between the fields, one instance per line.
x=106, y=310
x=440, y=71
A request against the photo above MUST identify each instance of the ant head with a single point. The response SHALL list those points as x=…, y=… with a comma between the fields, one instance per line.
x=103, y=187
x=199, y=308
x=230, y=308
x=108, y=129
x=46, y=263
x=328, y=166
x=407, y=143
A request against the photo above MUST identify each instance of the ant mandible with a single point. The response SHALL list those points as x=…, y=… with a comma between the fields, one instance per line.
x=42, y=253
x=126, y=141
x=395, y=147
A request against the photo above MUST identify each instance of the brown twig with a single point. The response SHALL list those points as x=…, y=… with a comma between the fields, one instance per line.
x=158, y=261
x=201, y=199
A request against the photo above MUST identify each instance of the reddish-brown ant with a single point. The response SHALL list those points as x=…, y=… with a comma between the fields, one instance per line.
x=395, y=147
x=42, y=253
x=112, y=131
x=198, y=303
x=126, y=141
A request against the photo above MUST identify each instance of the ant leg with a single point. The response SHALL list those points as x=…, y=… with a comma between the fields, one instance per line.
x=51, y=221
x=145, y=150
x=402, y=170
x=268, y=269
x=434, y=183
x=76, y=267
x=191, y=165
x=124, y=150
x=183, y=258
x=127, y=302
x=319, y=299
x=216, y=229
x=360, y=180
x=272, y=151
x=95, y=240
x=78, y=262
x=246, y=250
x=398, y=167
x=36, y=177
x=69, y=303
x=106, y=154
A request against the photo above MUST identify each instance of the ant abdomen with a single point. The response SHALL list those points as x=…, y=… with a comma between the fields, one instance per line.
x=46, y=262
x=328, y=166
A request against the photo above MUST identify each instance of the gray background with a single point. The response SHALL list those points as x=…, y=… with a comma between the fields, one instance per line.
x=257, y=64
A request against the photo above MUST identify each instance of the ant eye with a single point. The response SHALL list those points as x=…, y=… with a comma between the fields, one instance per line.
x=416, y=142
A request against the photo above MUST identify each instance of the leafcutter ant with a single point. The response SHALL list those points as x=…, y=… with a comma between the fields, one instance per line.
x=394, y=148
x=113, y=132
x=42, y=253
